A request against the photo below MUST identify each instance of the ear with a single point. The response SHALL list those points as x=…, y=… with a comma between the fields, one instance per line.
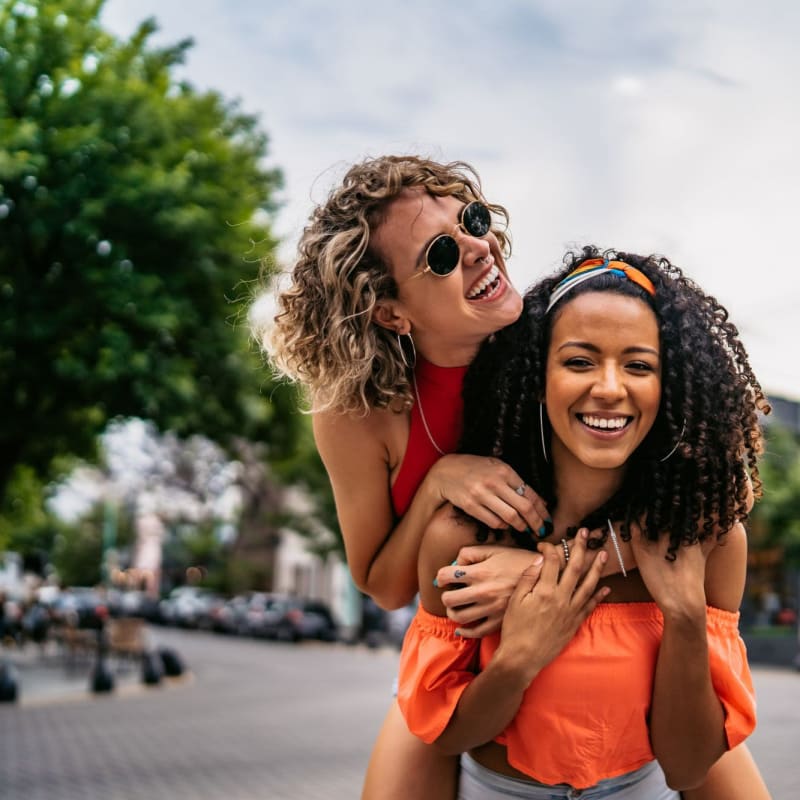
x=389, y=314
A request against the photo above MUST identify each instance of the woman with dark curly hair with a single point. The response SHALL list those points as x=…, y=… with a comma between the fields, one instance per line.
x=403, y=247
x=624, y=395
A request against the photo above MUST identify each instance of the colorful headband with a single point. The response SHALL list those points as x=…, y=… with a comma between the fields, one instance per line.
x=600, y=266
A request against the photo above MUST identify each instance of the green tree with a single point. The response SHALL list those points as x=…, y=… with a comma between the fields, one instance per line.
x=134, y=215
x=776, y=517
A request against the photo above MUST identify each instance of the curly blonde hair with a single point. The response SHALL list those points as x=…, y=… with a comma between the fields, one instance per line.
x=323, y=335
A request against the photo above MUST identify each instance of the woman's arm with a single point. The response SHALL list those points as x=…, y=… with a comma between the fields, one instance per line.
x=543, y=614
x=687, y=723
x=381, y=552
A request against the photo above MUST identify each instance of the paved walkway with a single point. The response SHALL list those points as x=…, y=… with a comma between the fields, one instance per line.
x=252, y=721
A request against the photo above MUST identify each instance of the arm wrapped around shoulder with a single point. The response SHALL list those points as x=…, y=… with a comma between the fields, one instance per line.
x=436, y=666
x=730, y=674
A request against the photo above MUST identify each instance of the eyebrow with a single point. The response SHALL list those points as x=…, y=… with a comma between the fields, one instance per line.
x=595, y=349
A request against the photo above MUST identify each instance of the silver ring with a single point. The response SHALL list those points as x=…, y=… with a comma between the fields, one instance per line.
x=520, y=490
x=565, y=546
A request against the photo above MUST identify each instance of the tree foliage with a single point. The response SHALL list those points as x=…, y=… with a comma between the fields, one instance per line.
x=134, y=212
x=776, y=517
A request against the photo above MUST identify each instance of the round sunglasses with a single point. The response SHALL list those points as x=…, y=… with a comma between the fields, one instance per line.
x=443, y=254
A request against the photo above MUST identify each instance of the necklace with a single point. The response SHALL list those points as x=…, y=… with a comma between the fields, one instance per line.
x=422, y=417
x=616, y=548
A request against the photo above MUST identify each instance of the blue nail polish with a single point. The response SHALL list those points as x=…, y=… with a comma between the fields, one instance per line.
x=454, y=562
x=436, y=583
x=542, y=532
x=457, y=633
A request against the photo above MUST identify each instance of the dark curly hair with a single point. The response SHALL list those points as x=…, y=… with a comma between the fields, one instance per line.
x=710, y=400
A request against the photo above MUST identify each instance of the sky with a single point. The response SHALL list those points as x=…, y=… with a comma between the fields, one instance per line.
x=652, y=127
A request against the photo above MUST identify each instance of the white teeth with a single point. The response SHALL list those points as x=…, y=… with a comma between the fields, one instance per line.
x=491, y=276
x=603, y=423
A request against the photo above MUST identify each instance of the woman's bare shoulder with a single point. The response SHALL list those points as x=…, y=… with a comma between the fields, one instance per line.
x=379, y=429
x=726, y=569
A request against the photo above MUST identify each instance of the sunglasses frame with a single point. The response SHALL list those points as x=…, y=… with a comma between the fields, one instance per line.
x=441, y=236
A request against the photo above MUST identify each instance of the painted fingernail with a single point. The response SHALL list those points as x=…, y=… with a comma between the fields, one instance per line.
x=542, y=532
x=454, y=562
x=436, y=583
x=457, y=632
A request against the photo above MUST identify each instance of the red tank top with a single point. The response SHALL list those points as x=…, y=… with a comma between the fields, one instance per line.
x=440, y=397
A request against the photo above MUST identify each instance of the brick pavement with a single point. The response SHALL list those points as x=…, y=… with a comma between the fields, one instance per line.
x=258, y=721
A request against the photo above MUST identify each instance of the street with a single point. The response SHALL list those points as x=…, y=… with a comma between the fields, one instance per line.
x=261, y=721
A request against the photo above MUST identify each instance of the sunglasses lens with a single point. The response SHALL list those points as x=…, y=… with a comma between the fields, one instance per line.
x=476, y=219
x=443, y=255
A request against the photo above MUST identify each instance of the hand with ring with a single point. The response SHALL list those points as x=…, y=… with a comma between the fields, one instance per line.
x=491, y=492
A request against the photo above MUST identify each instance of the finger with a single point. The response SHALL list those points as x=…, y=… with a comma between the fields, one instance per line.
x=529, y=578
x=551, y=565
x=469, y=615
x=536, y=513
x=505, y=504
x=453, y=598
x=589, y=582
x=475, y=553
x=454, y=575
x=447, y=575
x=574, y=567
x=484, y=628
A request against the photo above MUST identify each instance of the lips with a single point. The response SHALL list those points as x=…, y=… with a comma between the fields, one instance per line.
x=486, y=284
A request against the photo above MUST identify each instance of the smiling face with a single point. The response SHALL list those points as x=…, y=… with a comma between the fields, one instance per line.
x=603, y=379
x=448, y=316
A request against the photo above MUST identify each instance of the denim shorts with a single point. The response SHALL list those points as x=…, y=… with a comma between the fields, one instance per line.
x=478, y=783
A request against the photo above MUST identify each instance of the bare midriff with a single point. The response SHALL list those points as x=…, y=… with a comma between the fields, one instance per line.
x=493, y=756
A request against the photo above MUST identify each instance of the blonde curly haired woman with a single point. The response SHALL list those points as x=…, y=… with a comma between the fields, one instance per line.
x=400, y=276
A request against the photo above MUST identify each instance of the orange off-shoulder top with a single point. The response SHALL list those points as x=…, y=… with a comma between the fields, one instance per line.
x=584, y=716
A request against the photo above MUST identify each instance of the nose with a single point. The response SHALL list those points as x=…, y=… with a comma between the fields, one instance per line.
x=472, y=248
x=610, y=384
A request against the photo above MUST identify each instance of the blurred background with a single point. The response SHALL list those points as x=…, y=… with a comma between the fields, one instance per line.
x=157, y=164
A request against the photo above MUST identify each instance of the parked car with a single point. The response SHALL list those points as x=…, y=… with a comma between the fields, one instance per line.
x=186, y=606
x=293, y=619
x=231, y=616
x=133, y=603
x=80, y=607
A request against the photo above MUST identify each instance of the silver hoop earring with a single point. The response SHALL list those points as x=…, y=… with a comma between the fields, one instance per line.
x=677, y=444
x=403, y=351
x=541, y=431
